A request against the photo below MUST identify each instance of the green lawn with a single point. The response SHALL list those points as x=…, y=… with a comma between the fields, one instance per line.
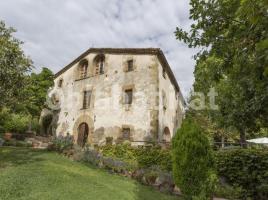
x=32, y=174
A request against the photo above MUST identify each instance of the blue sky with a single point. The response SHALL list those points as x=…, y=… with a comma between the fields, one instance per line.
x=56, y=32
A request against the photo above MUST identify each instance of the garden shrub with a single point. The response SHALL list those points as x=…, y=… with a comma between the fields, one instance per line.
x=228, y=192
x=193, y=162
x=154, y=156
x=17, y=123
x=247, y=168
x=144, y=157
x=61, y=143
x=92, y=156
x=35, y=125
x=121, y=151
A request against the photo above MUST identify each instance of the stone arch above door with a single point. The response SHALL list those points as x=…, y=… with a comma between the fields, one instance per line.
x=84, y=118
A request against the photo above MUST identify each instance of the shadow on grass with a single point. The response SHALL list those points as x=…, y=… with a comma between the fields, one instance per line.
x=14, y=156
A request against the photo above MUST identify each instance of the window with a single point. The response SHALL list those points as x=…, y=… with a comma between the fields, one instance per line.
x=60, y=83
x=164, y=100
x=55, y=99
x=164, y=73
x=101, y=66
x=83, y=68
x=128, y=96
x=99, y=62
x=126, y=133
x=86, y=99
x=130, y=65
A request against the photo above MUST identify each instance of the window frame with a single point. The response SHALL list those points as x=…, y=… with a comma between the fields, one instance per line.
x=164, y=73
x=60, y=83
x=130, y=65
x=83, y=69
x=128, y=99
x=87, y=94
x=124, y=131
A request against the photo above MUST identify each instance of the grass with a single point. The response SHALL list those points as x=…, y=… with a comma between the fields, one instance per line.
x=35, y=174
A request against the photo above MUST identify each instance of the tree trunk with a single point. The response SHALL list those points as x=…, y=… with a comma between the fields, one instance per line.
x=243, y=138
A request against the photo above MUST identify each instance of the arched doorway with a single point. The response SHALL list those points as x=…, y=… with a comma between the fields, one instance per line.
x=82, y=134
x=166, y=135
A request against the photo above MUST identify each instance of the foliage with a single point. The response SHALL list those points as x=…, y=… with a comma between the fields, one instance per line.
x=246, y=168
x=4, y=115
x=14, y=67
x=22, y=95
x=193, y=161
x=122, y=151
x=232, y=36
x=91, y=156
x=145, y=157
x=36, y=91
x=228, y=192
x=154, y=156
x=61, y=143
x=17, y=123
x=35, y=126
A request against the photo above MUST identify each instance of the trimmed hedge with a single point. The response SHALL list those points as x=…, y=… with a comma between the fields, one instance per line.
x=246, y=168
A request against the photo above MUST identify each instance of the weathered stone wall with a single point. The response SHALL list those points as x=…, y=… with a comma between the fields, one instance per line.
x=107, y=114
x=171, y=106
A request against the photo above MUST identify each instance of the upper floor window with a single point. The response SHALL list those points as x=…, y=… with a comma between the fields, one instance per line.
x=86, y=99
x=60, y=83
x=130, y=65
x=164, y=100
x=99, y=64
x=83, y=66
x=164, y=73
x=128, y=96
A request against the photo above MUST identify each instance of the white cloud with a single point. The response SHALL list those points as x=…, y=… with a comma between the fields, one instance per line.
x=55, y=32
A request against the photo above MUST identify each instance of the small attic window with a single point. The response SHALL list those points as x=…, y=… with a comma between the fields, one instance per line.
x=60, y=83
x=83, y=66
x=164, y=73
x=99, y=61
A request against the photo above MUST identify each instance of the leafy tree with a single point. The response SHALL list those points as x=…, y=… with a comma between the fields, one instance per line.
x=36, y=91
x=14, y=65
x=193, y=161
x=232, y=36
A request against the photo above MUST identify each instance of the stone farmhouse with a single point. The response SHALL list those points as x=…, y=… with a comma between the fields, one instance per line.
x=110, y=95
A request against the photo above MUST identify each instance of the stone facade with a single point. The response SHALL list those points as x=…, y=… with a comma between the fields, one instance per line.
x=111, y=77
